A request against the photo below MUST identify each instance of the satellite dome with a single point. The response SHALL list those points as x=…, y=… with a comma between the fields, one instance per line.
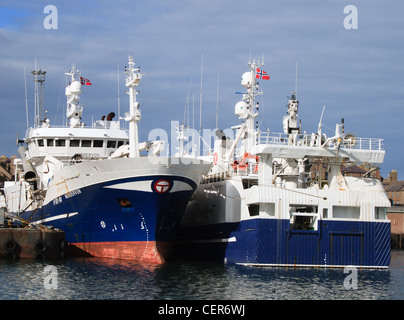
x=75, y=87
x=247, y=79
x=241, y=109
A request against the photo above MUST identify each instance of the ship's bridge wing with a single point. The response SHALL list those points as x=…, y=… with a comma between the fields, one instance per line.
x=301, y=145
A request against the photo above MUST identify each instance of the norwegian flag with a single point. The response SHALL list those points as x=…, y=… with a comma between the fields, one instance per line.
x=85, y=81
x=261, y=74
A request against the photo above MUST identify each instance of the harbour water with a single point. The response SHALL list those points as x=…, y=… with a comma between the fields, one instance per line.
x=109, y=279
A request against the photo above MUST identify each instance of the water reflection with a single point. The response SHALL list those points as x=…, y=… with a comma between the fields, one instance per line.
x=96, y=278
x=314, y=284
x=192, y=280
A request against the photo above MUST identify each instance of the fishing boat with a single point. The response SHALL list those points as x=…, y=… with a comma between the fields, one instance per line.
x=112, y=196
x=282, y=199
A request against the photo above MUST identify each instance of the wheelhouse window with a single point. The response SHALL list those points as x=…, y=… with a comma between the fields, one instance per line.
x=60, y=142
x=49, y=142
x=40, y=142
x=74, y=143
x=86, y=143
x=111, y=144
x=98, y=143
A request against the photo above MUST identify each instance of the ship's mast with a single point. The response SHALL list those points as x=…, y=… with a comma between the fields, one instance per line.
x=133, y=77
x=39, y=79
x=247, y=108
x=291, y=126
x=74, y=110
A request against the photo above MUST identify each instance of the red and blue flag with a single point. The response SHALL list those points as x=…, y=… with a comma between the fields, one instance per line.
x=261, y=74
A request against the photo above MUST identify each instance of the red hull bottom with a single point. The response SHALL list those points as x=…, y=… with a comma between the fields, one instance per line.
x=142, y=251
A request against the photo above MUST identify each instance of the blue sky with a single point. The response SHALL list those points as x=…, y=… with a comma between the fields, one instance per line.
x=356, y=74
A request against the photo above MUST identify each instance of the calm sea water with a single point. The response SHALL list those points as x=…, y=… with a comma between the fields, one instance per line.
x=100, y=279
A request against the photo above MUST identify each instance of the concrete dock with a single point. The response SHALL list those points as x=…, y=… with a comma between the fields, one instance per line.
x=19, y=240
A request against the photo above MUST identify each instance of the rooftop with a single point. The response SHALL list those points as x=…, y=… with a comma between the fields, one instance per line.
x=395, y=186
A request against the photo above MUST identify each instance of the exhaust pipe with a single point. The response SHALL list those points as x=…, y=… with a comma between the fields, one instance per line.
x=29, y=171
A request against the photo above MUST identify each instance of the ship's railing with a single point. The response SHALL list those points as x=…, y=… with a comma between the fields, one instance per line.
x=98, y=124
x=247, y=168
x=313, y=140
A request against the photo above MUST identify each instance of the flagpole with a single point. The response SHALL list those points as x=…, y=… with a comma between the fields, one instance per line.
x=119, y=99
x=217, y=102
x=200, y=110
x=26, y=98
x=193, y=124
x=296, y=81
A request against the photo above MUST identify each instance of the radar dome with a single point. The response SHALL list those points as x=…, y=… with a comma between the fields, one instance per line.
x=75, y=87
x=241, y=109
x=68, y=91
x=247, y=79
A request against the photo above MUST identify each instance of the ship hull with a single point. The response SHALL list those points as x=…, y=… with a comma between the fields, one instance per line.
x=132, y=216
x=271, y=242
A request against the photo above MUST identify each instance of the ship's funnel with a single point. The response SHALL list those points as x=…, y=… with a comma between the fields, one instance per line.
x=29, y=171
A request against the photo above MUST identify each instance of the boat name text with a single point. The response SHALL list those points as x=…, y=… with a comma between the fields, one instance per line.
x=68, y=195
